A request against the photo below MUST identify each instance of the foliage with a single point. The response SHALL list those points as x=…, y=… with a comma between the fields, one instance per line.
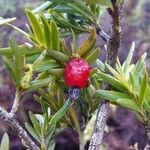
x=130, y=86
x=46, y=126
x=38, y=65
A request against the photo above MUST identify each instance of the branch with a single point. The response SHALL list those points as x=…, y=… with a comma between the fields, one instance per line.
x=102, y=34
x=14, y=124
x=112, y=51
x=15, y=106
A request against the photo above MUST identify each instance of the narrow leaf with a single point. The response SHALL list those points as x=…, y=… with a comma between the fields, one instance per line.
x=58, y=72
x=88, y=44
x=110, y=95
x=112, y=81
x=50, y=133
x=36, y=84
x=37, y=29
x=42, y=7
x=127, y=103
x=6, y=20
x=24, y=50
x=100, y=65
x=58, y=56
x=93, y=56
x=32, y=132
x=143, y=88
x=11, y=68
x=140, y=65
x=47, y=33
x=54, y=36
x=61, y=112
x=19, y=60
x=35, y=123
x=129, y=57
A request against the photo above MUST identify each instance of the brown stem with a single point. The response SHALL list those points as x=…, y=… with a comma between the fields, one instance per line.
x=112, y=53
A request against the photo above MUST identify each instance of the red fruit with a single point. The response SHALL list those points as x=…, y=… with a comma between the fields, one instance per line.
x=77, y=73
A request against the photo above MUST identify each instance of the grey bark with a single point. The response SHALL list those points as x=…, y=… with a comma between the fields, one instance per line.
x=17, y=128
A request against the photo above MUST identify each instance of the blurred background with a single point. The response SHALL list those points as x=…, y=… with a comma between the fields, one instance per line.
x=123, y=130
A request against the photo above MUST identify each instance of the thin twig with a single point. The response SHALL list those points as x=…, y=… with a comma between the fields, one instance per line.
x=15, y=106
x=102, y=34
x=14, y=124
x=112, y=51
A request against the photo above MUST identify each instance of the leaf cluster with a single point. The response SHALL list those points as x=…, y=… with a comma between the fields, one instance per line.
x=130, y=86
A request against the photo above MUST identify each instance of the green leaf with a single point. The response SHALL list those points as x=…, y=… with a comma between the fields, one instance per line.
x=116, y=74
x=47, y=31
x=91, y=58
x=146, y=106
x=54, y=36
x=11, y=68
x=139, y=69
x=51, y=145
x=129, y=57
x=58, y=56
x=83, y=6
x=7, y=20
x=88, y=43
x=32, y=132
x=40, y=59
x=101, y=2
x=4, y=142
x=47, y=65
x=58, y=72
x=64, y=9
x=65, y=24
x=60, y=97
x=112, y=96
x=20, y=31
x=35, y=123
x=52, y=88
x=143, y=88
x=42, y=7
x=148, y=94
x=37, y=29
x=36, y=84
x=112, y=81
x=60, y=113
x=129, y=104
x=19, y=60
x=140, y=65
x=50, y=133
x=86, y=15
x=74, y=42
x=100, y=65
x=23, y=49
x=132, y=80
